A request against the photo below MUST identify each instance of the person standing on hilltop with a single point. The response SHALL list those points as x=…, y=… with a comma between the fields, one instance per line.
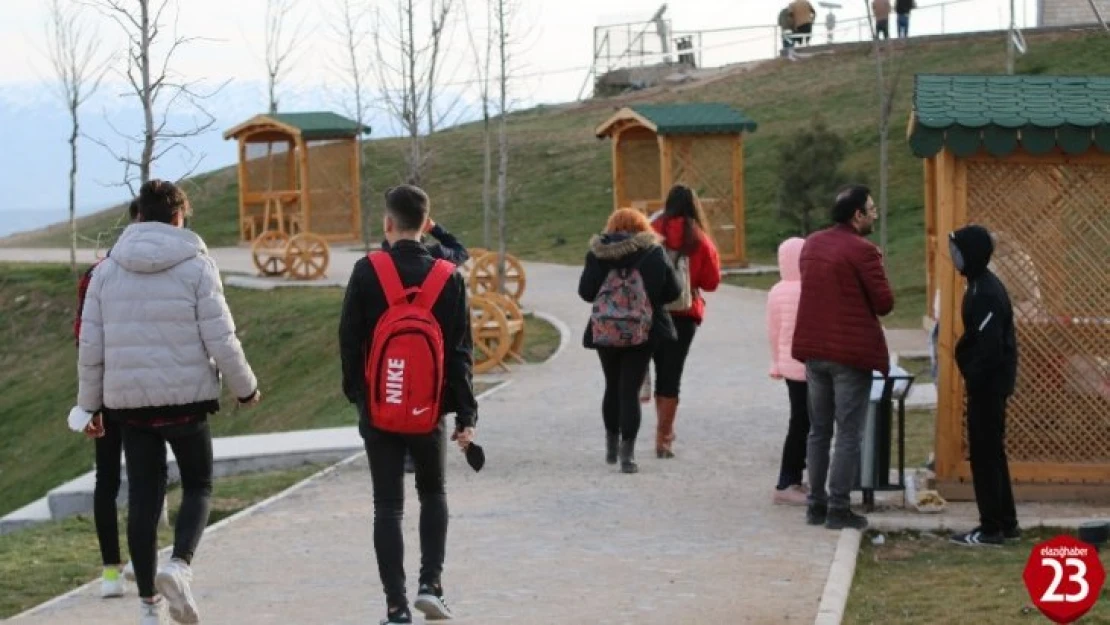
x=839, y=338
x=881, y=9
x=903, y=8
x=804, y=17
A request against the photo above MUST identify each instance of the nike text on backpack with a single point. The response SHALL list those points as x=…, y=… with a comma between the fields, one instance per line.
x=404, y=365
x=622, y=313
x=681, y=264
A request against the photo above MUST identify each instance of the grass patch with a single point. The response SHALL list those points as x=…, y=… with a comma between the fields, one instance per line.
x=922, y=579
x=541, y=339
x=920, y=437
x=920, y=368
x=560, y=187
x=53, y=558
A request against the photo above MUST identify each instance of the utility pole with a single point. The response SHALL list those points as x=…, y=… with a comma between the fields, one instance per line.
x=1010, y=42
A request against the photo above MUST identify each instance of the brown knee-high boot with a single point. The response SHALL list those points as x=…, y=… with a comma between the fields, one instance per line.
x=665, y=409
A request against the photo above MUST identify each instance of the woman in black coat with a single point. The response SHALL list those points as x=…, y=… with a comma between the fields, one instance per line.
x=624, y=264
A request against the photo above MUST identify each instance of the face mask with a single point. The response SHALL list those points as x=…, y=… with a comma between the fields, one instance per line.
x=957, y=256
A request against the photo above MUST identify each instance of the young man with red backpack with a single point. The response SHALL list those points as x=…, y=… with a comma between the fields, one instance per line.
x=406, y=348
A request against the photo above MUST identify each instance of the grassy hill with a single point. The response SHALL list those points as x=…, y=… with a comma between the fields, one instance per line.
x=559, y=174
x=289, y=335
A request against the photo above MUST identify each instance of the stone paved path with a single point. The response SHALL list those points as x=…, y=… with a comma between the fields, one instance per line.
x=548, y=533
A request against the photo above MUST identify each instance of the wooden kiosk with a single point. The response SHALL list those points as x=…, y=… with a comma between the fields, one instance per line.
x=299, y=172
x=1028, y=157
x=701, y=145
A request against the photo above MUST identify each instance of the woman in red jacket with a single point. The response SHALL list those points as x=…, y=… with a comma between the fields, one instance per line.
x=685, y=231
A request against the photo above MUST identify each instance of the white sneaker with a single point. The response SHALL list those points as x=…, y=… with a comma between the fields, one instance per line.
x=429, y=600
x=153, y=613
x=173, y=582
x=129, y=571
x=110, y=583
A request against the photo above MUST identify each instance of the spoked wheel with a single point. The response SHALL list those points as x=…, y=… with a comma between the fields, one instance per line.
x=490, y=331
x=307, y=256
x=484, y=276
x=268, y=252
x=515, y=319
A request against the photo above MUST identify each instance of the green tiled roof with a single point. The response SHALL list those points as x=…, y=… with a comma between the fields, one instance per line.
x=320, y=124
x=698, y=118
x=1004, y=114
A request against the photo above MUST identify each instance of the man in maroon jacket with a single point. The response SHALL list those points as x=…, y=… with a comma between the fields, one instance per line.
x=839, y=338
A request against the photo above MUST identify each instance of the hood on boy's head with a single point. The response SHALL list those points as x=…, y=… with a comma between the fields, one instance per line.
x=790, y=254
x=975, y=245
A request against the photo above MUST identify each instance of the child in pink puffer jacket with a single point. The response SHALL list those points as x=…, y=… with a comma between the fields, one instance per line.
x=782, y=311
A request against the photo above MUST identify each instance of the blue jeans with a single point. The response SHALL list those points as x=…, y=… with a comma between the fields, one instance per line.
x=903, y=24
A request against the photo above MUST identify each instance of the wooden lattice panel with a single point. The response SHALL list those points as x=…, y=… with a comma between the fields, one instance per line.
x=704, y=163
x=331, y=192
x=1053, y=253
x=639, y=154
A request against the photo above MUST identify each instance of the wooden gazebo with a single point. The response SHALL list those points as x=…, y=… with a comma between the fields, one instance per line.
x=701, y=145
x=298, y=172
x=1028, y=157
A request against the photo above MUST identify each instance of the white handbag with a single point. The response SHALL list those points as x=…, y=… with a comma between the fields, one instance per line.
x=681, y=264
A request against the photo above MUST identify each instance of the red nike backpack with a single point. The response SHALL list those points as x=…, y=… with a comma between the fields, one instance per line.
x=405, y=366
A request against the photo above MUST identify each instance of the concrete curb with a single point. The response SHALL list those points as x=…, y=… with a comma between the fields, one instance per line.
x=564, y=333
x=838, y=586
x=215, y=527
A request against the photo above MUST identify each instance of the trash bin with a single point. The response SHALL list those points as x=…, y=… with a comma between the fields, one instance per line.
x=873, y=470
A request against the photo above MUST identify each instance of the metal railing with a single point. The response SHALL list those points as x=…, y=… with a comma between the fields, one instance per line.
x=718, y=47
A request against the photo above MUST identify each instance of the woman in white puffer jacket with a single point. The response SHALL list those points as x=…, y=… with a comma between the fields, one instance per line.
x=156, y=334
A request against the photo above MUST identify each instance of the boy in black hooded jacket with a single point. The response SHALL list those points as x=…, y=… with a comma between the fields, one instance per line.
x=987, y=357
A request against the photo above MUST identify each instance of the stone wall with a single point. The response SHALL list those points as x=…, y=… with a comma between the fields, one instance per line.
x=1071, y=12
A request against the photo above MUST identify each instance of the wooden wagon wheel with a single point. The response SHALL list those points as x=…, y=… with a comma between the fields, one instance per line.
x=515, y=317
x=490, y=331
x=472, y=255
x=307, y=256
x=268, y=252
x=483, y=277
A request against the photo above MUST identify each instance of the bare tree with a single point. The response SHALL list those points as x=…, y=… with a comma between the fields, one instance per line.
x=504, y=16
x=278, y=47
x=887, y=91
x=410, y=74
x=482, y=65
x=441, y=10
x=79, y=67
x=159, y=89
x=352, y=28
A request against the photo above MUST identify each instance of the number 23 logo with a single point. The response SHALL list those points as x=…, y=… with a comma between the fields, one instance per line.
x=1079, y=577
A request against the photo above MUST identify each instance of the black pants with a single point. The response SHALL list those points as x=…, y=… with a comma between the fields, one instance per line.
x=670, y=357
x=386, y=454
x=797, y=434
x=105, y=516
x=145, y=447
x=624, y=368
x=990, y=472
x=805, y=29
x=882, y=28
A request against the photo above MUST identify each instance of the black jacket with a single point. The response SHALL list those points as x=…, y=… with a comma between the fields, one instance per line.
x=365, y=303
x=903, y=7
x=987, y=352
x=449, y=248
x=613, y=251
